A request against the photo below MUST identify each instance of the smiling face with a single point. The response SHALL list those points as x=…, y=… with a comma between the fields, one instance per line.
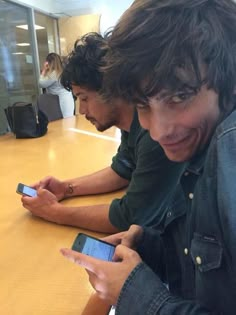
x=182, y=123
x=100, y=114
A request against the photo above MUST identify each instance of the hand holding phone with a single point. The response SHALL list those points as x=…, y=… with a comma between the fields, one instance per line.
x=106, y=277
x=26, y=190
x=94, y=247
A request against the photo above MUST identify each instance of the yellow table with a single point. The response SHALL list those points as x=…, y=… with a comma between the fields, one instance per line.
x=34, y=277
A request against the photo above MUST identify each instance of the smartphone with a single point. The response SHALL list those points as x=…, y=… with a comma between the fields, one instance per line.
x=94, y=247
x=112, y=311
x=26, y=190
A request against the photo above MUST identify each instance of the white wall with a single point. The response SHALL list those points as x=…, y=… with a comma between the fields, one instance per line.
x=46, y=6
x=111, y=12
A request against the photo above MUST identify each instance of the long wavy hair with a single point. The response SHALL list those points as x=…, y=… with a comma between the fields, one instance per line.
x=55, y=64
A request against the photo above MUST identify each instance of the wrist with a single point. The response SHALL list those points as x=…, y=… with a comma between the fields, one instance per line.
x=59, y=213
x=44, y=72
x=69, y=190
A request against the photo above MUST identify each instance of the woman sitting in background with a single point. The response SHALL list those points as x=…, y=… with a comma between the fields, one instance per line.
x=50, y=79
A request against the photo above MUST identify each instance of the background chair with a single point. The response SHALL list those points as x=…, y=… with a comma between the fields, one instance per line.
x=49, y=104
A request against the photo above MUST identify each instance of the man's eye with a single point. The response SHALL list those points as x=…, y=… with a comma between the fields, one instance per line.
x=84, y=99
x=141, y=106
x=178, y=98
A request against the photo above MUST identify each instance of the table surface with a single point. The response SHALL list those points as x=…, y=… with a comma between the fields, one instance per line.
x=35, y=278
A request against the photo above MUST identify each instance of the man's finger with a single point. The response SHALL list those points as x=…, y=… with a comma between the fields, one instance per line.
x=122, y=252
x=44, y=182
x=114, y=239
x=90, y=263
x=26, y=200
x=133, y=236
x=44, y=192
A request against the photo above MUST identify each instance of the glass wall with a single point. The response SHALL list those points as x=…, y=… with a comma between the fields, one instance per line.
x=23, y=49
x=16, y=52
x=47, y=36
x=17, y=70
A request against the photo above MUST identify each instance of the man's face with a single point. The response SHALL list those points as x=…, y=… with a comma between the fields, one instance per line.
x=182, y=123
x=100, y=114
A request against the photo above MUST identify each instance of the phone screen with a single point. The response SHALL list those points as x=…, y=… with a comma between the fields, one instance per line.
x=93, y=247
x=29, y=191
x=26, y=190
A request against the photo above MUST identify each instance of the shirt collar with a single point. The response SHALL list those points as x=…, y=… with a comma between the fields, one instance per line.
x=134, y=131
x=196, y=164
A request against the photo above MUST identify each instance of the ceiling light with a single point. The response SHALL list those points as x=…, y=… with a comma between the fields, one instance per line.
x=23, y=44
x=25, y=27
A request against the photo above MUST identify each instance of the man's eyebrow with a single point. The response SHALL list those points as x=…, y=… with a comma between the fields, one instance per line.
x=77, y=94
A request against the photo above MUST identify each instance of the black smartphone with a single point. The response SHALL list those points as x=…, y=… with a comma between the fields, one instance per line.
x=26, y=190
x=94, y=247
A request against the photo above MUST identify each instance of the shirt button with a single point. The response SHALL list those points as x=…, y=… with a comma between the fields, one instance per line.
x=198, y=260
x=186, y=251
x=169, y=214
x=190, y=196
x=186, y=173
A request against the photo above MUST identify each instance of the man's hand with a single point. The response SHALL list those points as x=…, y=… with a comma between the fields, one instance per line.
x=107, y=278
x=55, y=186
x=130, y=238
x=44, y=205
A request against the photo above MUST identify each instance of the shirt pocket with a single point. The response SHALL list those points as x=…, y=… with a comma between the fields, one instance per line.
x=206, y=252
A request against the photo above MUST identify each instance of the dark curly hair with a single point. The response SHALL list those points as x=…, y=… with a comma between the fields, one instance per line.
x=173, y=45
x=82, y=65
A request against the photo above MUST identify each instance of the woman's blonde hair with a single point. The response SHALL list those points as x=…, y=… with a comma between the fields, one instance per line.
x=54, y=63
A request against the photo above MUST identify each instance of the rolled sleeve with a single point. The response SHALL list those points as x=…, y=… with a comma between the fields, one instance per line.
x=123, y=162
x=151, y=184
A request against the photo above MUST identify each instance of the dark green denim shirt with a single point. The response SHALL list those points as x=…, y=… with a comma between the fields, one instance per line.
x=152, y=178
x=189, y=263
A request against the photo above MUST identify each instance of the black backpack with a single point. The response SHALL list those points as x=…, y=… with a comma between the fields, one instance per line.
x=26, y=121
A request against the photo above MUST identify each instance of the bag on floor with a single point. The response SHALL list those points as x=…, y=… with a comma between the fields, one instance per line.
x=26, y=121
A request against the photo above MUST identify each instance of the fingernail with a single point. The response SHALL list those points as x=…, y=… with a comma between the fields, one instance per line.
x=65, y=253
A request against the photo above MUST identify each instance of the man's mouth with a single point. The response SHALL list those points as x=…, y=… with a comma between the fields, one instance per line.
x=90, y=119
x=175, y=144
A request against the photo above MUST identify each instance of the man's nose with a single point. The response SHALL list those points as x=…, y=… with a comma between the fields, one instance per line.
x=158, y=127
x=82, y=109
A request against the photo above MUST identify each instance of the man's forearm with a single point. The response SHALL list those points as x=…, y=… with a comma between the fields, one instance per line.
x=94, y=218
x=100, y=182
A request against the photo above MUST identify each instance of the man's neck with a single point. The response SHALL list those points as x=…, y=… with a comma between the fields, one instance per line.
x=126, y=117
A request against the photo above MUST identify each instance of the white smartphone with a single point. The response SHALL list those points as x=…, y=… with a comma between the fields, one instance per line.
x=112, y=311
x=26, y=190
x=94, y=247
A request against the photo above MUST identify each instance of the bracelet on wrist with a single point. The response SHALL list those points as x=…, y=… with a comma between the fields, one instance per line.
x=69, y=190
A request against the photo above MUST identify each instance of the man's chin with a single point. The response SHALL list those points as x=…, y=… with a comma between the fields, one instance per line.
x=93, y=122
x=100, y=128
x=178, y=156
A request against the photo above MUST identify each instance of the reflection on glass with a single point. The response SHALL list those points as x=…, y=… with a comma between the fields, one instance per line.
x=15, y=48
x=46, y=37
x=18, y=77
x=17, y=71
